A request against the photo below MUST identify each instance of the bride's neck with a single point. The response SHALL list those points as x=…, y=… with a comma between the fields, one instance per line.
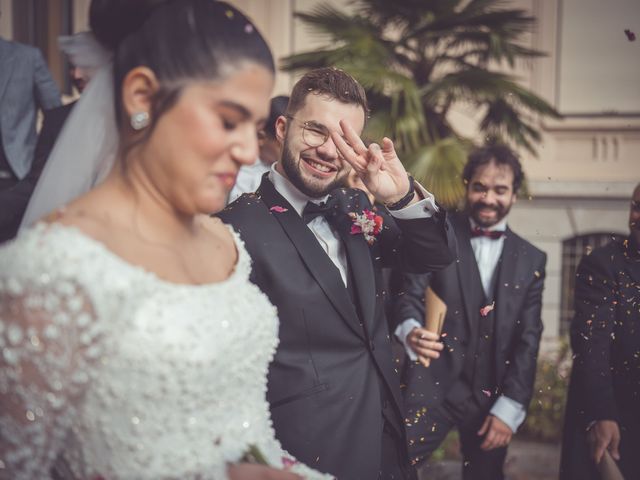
x=150, y=204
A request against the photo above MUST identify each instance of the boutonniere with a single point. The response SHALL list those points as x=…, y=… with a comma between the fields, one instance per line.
x=367, y=223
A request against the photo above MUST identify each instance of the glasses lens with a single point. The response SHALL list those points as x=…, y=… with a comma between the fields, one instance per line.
x=313, y=135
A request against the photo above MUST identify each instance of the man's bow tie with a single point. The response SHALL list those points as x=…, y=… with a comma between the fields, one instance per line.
x=481, y=232
x=324, y=209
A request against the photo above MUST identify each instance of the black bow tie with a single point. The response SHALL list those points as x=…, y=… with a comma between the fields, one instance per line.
x=325, y=209
x=481, y=232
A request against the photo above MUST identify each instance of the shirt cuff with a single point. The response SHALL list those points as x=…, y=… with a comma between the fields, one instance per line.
x=425, y=208
x=401, y=333
x=509, y=411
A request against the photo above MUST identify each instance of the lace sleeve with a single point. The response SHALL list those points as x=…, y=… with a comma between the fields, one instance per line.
x=49, y=343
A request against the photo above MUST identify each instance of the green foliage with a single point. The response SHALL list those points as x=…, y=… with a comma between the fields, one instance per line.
x=418, y=59
x=449, y=449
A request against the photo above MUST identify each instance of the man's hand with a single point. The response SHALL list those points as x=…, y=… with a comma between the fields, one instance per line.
x=497, y=433
x=604, y=434
x=379, y=167
x=246, y=471
x=425, y=344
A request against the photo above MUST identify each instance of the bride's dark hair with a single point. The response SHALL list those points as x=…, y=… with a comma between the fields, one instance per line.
x=180, y=40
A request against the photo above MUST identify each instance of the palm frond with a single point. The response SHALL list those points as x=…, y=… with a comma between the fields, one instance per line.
x=439, y=168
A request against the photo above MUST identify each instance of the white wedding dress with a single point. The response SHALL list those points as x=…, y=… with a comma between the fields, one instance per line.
x=113, y=373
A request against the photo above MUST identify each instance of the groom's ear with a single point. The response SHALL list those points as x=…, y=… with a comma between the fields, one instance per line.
x=138, y=88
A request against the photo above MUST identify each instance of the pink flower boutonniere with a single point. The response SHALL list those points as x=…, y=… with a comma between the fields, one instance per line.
x=367, y=223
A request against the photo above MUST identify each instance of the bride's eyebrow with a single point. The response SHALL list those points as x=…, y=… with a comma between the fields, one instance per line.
x=240, y=109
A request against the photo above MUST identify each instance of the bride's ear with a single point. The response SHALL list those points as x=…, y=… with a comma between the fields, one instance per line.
x=138, y=88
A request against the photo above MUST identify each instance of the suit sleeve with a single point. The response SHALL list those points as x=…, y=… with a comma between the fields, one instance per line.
x=418, y=245
x=591, y=337
x=520, y=374
x=46, y=90
x=410, y=299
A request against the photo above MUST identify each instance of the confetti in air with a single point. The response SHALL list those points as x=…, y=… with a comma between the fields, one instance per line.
x=630, y=35
x=278, y=209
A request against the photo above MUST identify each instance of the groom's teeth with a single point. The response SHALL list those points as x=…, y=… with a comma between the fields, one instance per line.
x=320, y=167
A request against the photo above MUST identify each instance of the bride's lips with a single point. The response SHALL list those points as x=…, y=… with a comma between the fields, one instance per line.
x=228, y=179
x=319, y=167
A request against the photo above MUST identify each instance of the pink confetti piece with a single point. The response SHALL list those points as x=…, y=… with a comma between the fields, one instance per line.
x=278, y=209
x=248, y=28
x=487, y=392
x=484, y=311
x=288, y=462
x=630, y=35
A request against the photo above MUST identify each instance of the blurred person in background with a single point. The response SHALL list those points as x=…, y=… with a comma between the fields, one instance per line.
x=52, y=123
x=603, y=404
x=26, y=86
x=483, y=381
x=270, y=148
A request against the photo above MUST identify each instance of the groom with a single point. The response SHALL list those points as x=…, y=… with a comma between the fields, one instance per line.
x=333, y=391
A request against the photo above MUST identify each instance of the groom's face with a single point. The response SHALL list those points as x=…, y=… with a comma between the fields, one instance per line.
x=310, y=159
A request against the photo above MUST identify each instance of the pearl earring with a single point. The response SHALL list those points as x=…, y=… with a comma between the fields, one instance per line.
x=139, y=120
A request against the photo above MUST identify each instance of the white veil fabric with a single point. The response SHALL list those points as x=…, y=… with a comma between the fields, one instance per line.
x=88, y=143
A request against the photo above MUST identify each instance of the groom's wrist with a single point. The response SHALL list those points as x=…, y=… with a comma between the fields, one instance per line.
x=409, y=198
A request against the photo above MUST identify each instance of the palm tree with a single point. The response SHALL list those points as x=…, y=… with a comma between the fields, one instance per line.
x=418, y=60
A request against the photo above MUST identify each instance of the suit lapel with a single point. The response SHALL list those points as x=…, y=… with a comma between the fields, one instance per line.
x=508, y=266
x=359, y=256
x=314, y=257
x=468, y=273
x=6, y=58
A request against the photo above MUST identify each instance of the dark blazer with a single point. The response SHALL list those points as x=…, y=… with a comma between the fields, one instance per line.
x=605, y=338
x=14, y=201
x=332, y=378
x=518, y=326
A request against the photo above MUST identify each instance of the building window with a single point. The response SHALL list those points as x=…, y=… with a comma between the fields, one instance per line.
x=40, y=23
x=572, y=251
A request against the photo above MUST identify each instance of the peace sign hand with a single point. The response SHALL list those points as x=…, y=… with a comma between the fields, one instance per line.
x=379, y=168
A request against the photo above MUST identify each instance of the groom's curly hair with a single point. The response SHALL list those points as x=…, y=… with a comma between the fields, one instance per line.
x=330, y=82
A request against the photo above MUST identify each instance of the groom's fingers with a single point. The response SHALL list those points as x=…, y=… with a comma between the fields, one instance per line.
x=375, y=157
x=387, y=145
x=358, y=162
x=353, y=138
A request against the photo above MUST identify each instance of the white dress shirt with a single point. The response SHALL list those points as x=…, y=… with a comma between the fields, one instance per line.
x=329, y=240
x=487, y=252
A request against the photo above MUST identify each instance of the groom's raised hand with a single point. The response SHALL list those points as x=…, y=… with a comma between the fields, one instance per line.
x=379, y=167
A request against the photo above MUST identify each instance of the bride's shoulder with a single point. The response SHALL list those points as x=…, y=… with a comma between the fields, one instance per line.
x=83, y=216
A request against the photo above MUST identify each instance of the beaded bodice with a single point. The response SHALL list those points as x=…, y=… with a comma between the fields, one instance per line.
x=118, y=374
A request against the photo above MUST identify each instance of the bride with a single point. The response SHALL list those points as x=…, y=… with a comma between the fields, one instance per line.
x=133, y=344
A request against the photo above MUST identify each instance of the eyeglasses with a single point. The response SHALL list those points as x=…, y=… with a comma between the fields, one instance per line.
x=313, y=134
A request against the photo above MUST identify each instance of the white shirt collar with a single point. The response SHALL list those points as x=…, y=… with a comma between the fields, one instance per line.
x=501, y=226
x=295, y=197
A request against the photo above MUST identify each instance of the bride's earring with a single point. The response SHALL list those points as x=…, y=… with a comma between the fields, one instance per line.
x=139, y=120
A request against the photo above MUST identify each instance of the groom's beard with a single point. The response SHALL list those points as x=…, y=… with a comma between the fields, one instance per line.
x=293, y=168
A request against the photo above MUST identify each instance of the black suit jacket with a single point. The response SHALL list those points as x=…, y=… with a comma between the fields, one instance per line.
x=605, y=338
x=518, y=326
x=332, y=376
x=15, y=200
